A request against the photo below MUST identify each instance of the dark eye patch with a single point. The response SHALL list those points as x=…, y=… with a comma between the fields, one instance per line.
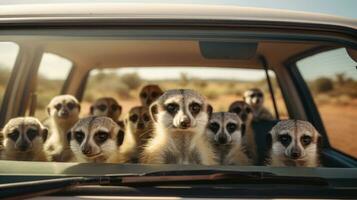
x=284, y=139
x=172, y=108
x=102, y=107
x=237, y=110
x=154, y=94
x=32, y=133
x=114, y=108
x=133, y=118
x=195, y=108
x=71, y=105
x=13, y=135
x=146, y=118
x=58, y=106
x=231, y=127
x=79, y=136
x=101, y=136
x=214, y=127
x=143, y=95
x=306, y=140
x=248, y=110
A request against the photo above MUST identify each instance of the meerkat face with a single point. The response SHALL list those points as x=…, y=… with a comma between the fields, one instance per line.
x=106, y=106
x=138, y=118
x=181, y=110
x=224, y=128
x=254, y=97
x=242, y=109
x=294, y=139
x=64, y=107
x=149, y=94
x=24, y=134
x=94, y=138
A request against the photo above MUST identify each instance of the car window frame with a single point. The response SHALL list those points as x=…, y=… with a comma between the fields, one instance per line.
x=309, y=104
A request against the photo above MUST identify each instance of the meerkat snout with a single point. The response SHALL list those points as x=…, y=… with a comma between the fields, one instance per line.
x=294, y=143
x=149, y=94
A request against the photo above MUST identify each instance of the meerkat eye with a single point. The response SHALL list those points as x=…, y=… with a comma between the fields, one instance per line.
x=231, y=127
x=306, y=140
x=260, y=95
x=14, y=135
x=79, y=136
x=143, y=95
x=58, y=106
x=214, y=127
x=285, y=139
x=114, y=108
x=237, y=110
x=32, y=133
x=195, y=108
x=71, y=105
x=101, y=136
x=146, y=117
x=172, y=108
x=102, y=107
x=133, y=118
x=154, y=94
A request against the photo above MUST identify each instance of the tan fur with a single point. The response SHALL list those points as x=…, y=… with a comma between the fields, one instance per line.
x=106, y=151
x=57, y=147
x=139, y=130
x=12, y=149
x=246, y=113
x=106, y=106
x=228, y=145
x=280, y=155
x=257, y=103
x=179, y=138
x=149, y=94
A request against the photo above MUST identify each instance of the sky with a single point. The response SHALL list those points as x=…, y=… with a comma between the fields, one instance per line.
x=344, y=8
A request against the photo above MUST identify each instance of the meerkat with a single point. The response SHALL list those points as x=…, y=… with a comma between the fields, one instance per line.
x=23, y=140
x=149, y=94
x=255, y=98
x=139, y=130
x=294, y=143
x=245, y=112
x=63, y=111
x=96, y=139
x=180, y=120
x=224, y=132
x=106, y=106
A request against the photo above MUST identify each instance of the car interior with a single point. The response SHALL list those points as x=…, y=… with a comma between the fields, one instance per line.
x=274, y=60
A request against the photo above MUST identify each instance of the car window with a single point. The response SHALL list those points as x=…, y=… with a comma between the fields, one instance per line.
x=332, y=79
x=221, y=86
x=52, y=73
x=9, y=52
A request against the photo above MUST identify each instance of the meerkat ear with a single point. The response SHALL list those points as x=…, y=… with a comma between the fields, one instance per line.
x=69, y=136
x=48, y=111
x=79, y=107
x=120, y=137
x=91, y=110
x=209, y=110
x=44, y=134
x=153, y=111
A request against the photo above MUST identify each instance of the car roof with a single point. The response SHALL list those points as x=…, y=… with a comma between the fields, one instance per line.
x=84, y=10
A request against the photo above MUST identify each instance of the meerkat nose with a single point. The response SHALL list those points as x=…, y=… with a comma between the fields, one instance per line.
x=295, y=153
x=185, y=123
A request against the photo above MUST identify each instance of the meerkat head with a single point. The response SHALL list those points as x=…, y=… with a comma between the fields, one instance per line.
x=64, y=108
x=139, y=122
x=149, y=94
x=24, y=134
x=254, y=97
x=224, y=128
x=181, y=110
x=95, y=138
x=106, y=106
x=294, y=139
x=243, y=110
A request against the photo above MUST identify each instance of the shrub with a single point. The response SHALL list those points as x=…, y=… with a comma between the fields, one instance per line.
x=132, y=80
x=323, y=85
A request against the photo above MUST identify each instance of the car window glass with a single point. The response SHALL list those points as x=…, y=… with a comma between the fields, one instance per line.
x=9, y=52
x=52, y=73
x=332, y=79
